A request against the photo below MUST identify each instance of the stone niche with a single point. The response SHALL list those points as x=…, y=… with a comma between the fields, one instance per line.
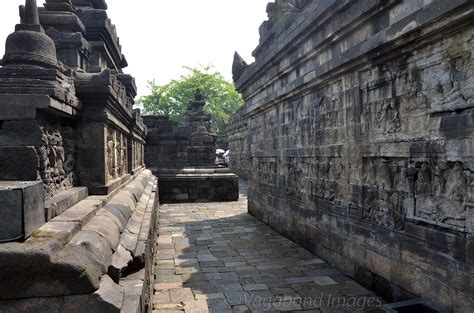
x=78, y=205
x=183, y=155
x=357, y=138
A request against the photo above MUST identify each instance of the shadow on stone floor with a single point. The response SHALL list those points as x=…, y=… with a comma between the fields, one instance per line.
x=216, y=257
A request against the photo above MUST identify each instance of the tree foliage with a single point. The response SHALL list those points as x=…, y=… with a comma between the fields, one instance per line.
x=172, y=99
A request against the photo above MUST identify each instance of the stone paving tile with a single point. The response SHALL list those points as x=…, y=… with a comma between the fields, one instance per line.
x=215, y=257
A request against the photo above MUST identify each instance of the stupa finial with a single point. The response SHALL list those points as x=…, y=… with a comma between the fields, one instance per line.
x=31, y=16
x=29, y=46
x=198, y=95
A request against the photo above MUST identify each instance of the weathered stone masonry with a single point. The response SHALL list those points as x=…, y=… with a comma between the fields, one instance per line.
x=182, y=155
x=357, y=138
x=78, y=207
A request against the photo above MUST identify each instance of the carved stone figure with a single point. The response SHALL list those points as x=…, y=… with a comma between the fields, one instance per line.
x=423, y=184
x=441, y=193
x=56, y=159
x=450, y=97
x=110, y=155
x=386, y=212
x=388, y=117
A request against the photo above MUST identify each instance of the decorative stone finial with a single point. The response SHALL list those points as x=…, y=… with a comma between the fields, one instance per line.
x=198, y=95
x=238, y=67
x=29, y=46
x=198, y=103
x=31, y=13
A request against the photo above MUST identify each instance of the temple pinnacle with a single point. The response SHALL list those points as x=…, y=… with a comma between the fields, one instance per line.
x=31, y=16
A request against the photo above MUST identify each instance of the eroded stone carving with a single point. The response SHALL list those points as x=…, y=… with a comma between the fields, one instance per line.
x=267, y=168
x=449, y=95
x=388, y=117
x=56, y=159
x=294, y=174
x=374, y=125
x=386, y=212
x=441, y=193
x=66, y=120
x=116, y=155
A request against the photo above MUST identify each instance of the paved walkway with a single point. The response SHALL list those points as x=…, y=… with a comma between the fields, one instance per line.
x=214, y=257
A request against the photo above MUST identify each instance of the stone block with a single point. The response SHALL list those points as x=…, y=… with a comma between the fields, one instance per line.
x=23, y=211
x=43, y=267
x=22, y=107
x=18, y=163
x=121, y=259
x=102, y=225
x=20, y=133
x=64, y=200
x=129, y=241
x=32, y=305
x=111, y=218
x=80, y=213
x=199, y=185
x=108, y=298
x=120, y=211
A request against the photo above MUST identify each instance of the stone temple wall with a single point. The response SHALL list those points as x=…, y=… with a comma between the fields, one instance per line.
x=78, y=208
x=357, y=138
x=167, y=143
x=182, y=155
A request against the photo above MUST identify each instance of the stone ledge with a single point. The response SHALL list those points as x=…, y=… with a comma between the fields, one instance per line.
x=129, y=253
x=64, y=200
x=72, y=252
x=212, y=176
x=194, y=170
x=199, y=187
x=108, y=298
x=107, y=189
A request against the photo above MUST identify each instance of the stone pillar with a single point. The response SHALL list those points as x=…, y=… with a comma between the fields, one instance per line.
x=104, y=131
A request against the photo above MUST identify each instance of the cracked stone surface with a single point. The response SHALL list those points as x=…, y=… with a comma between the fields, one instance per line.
x=215, y=257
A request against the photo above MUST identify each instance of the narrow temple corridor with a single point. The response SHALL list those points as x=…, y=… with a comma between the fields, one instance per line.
x=215, y=257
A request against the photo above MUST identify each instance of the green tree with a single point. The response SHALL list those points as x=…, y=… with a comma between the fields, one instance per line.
x=172, y=99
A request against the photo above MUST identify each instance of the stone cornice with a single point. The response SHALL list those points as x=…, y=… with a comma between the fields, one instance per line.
x=430, y=25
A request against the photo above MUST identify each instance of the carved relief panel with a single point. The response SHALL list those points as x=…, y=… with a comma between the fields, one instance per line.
x=56, y=159
x=384, y=190
x=330, y=105
x=111, y=154
x=116, y=153
x=325, y=183
x=449, y=92
x=380, y=106
x=294, y=173
x=409, y=87
x=266, y=171
x=441, y=193
x=137, y=154
x=384, y=208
